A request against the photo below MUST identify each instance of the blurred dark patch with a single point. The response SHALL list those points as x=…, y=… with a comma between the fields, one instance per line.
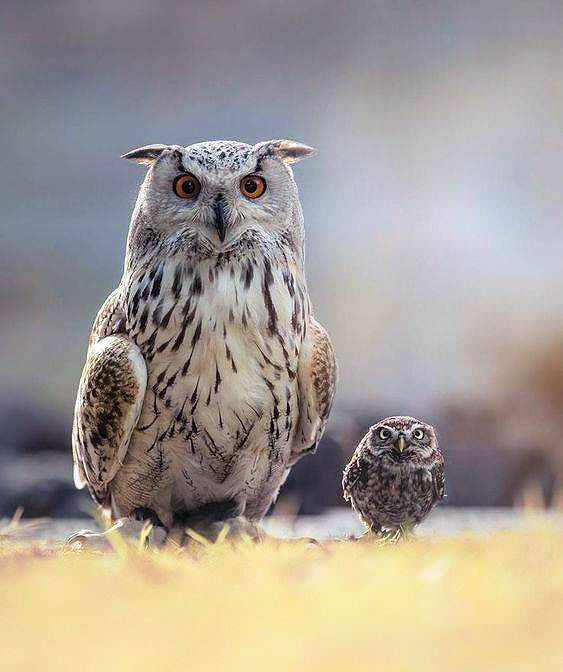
x=315, y=482
x=36, y=464
x=29, y=429
x=41, y=483
x=535, y=468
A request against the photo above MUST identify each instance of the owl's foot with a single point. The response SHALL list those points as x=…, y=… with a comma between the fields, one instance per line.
x=216, y=531
x=396, y=535
x=391, y=536
x=385, y=536
x=211, y=523
x=368, y=536
x=123, y=531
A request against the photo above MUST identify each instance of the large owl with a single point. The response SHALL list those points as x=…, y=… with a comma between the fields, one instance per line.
x=207, y=376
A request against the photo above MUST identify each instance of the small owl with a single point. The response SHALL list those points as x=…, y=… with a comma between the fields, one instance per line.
x=395, y=476
x=207, y=377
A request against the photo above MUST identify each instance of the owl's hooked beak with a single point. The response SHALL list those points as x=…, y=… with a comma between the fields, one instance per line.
x=401, y=443
x=220, y=222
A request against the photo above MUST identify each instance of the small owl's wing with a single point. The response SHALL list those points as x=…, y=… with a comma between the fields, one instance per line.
x=317, y=383
x=354, y=473
x=108, y=404
x=439, y=478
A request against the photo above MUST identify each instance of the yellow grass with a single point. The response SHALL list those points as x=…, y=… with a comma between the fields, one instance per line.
x=474, y=603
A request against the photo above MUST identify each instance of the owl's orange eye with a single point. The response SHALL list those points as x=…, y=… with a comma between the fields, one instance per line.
x=186, y=186
x=253, y=186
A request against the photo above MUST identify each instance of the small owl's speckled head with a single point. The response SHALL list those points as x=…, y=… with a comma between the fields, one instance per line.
x=401, y=438
x=217, y=191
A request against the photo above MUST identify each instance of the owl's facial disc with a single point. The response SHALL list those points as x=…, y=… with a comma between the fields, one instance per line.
x=402, y=438
x=220, y=192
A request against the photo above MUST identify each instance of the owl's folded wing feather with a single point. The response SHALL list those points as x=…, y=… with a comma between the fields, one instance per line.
x=108, y=404
x=109, y=320
x=354, y=473
x=439, y=479
x=317, y=383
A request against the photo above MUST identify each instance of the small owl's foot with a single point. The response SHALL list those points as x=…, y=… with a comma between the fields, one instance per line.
x=122, y=531
x=364, y=537
x=396, y=535
x=391, y=536
x=369, y=535
x=384, y=536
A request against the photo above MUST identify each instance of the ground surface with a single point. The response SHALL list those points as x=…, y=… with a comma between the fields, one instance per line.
x=335, y=523
x=491, y=601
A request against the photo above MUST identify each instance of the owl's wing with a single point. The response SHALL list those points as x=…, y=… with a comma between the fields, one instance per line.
x=110, y=318
x=439, y=478
x=108, y=403
x=354, y=471
x=317, y=383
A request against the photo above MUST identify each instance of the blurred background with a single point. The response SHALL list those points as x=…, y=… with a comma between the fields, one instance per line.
x=433, y=208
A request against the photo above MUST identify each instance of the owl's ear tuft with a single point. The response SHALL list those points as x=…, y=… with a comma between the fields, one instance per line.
x=288, y=151
x=145, y=155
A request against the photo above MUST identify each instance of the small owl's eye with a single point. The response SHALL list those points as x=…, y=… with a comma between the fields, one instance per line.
x=384, y=433
x=418, y=434
x=252, y=186
x=186, y=186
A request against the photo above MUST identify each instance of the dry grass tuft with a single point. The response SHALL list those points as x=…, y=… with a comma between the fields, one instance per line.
x=475, y=603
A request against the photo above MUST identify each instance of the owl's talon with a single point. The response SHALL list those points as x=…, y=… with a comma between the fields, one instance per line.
x=127, y=529
x=88, y=540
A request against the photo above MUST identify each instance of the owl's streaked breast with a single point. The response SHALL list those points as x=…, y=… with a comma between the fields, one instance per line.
x=221, y=338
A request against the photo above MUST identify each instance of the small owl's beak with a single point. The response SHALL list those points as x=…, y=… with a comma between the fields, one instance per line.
x=401, y=443
x=220, y=217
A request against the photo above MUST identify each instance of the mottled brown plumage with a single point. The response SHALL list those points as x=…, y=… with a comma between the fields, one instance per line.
x=396, y=475
x=207, y=376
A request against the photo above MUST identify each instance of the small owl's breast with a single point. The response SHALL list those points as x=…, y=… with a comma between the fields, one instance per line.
x=395, y=496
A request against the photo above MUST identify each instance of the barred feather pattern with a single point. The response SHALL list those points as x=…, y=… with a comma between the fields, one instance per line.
x=221, y=337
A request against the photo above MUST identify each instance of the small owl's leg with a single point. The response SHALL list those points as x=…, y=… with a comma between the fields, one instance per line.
x=407, y=530
x=393, y=536
x=373, y=529
x=400, y=533
x=127, y=529
x=373, y=526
